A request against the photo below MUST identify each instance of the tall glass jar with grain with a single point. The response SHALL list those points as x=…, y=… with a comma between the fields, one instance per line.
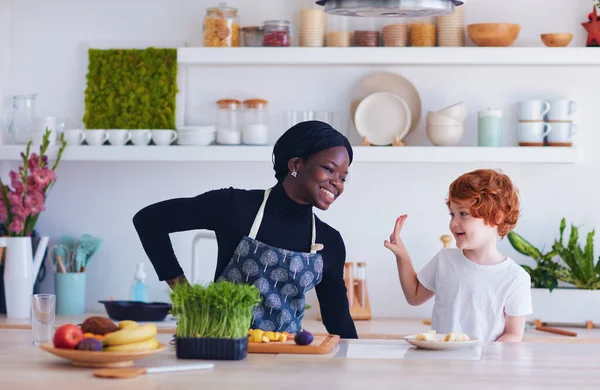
x=338, y=31
x=228, y=122
x=422, y=32
x=221, y=27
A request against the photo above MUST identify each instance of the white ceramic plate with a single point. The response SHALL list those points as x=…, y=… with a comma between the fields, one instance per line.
x=440, y=344
x=388, y=82
x=381, y=117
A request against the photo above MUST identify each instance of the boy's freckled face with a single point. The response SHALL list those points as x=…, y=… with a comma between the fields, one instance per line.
x=469, y=232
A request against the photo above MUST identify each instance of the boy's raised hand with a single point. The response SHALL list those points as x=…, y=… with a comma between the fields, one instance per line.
x=395, y=243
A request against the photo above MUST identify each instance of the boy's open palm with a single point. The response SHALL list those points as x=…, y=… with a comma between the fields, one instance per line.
x=395, y=243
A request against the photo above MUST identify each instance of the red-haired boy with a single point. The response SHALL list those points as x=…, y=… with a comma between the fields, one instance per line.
x=478, y=290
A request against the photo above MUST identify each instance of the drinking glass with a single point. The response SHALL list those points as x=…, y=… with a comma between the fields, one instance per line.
x=42, y=317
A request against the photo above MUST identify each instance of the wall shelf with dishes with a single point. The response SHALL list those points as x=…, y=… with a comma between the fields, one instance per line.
x=372, y=56
x=363, y=154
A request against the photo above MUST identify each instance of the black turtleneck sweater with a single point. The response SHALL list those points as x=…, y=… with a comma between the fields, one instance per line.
x=230, y=214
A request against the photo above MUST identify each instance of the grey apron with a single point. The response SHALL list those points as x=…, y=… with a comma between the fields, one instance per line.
x=283, y=277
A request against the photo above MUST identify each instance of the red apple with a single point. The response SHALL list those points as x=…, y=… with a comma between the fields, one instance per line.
x=67, y=336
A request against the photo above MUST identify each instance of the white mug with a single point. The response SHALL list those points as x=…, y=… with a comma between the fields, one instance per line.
x=562, y=134
x=532, y=133
x=96, y=137
x=164, y=137
x=118, y=137
x=74, y=136
x=561, y=110
x=533, y=110
x=141, y=137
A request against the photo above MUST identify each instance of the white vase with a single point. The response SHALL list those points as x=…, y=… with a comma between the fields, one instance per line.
x=565, y=305
x=20, y=273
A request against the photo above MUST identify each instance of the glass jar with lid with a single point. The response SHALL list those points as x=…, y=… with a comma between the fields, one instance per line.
x=228, y=122
x=256, y=122
x=221, y=27
x=252, y=36
x=277, y=33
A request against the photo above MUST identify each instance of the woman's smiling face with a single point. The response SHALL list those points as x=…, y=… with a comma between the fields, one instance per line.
x=320, y=178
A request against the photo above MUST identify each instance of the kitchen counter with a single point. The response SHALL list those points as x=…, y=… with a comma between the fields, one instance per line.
x=493, y=366
x=378, y=328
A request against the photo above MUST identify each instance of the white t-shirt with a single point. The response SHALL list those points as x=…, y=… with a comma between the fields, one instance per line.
x=474, y=298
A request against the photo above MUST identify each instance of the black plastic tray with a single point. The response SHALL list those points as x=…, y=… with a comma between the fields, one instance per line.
x=212, y=349
x=136, y=311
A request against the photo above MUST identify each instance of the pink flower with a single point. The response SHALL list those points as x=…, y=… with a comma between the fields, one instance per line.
x=3, y=209
x=34, y=202
x=34, y=162
x=43, y=177
x=16, y=226
x=15, y=181
x=14, y=199
x=31, y=184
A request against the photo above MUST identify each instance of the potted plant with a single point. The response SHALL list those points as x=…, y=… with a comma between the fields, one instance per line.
x=213, y=320
x=565, y=280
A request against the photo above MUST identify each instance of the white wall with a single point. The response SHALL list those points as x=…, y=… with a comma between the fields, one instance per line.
x=46, y=56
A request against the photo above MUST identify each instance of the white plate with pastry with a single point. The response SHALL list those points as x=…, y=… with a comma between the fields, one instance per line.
x=432, y=340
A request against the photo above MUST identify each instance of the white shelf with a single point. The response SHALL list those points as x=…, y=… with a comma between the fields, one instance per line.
x=576, y=56
x=408, y=154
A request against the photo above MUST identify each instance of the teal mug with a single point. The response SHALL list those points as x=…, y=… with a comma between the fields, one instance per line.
x=70, y=293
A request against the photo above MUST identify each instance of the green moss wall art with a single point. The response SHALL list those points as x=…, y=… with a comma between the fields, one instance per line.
x=131, y=89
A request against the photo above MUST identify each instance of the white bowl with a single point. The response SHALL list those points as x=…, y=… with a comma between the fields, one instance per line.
x=197, y=129
x=195, y=139
x=444, y=135
x=457, y=111
x=437, y=119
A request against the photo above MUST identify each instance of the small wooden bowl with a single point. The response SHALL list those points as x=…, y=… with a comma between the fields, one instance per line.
x=493, y=34
x=557, y=39
x=101, y=359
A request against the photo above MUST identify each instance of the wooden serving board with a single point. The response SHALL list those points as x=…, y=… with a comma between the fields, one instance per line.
x=321, y=345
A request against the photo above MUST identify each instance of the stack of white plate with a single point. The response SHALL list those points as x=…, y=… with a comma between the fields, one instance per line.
x=196, y=135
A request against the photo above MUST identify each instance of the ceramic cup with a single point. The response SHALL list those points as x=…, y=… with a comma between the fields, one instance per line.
x=96, y=137
x=562, y=134
x=561, y=110
x=74, y=136
x=141, y=137
x=164, y=137
x=533, y=133
x=118, y=137
x=533, y=110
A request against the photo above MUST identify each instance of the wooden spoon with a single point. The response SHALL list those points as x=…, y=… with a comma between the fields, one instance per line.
x=124, y=373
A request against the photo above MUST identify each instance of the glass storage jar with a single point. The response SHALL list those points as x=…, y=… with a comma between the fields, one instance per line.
x=252, y=36
x=221, y=27
x=228, y=122
x=338, y=31
x=277, y=33
x=256, y=122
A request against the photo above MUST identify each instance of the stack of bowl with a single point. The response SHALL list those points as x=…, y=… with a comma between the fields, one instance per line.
x=312, y=27
x=196, y=135
x=445, y=127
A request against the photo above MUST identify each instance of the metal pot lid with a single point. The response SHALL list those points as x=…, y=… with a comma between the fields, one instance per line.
x=389, y=8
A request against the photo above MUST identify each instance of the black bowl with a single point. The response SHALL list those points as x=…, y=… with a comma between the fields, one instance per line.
x=136, y=311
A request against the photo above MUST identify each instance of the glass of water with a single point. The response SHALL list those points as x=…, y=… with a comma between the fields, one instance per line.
x=42, y=317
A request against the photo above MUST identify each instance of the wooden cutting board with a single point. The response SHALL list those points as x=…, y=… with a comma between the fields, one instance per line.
x=320, y=345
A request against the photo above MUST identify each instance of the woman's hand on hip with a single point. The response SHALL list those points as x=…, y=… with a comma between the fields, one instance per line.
x=395, y=243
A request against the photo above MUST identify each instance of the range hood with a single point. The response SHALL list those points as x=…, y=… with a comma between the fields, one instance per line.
x=389, y=8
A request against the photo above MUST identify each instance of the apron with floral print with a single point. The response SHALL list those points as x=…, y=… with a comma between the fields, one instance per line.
x=283, y=277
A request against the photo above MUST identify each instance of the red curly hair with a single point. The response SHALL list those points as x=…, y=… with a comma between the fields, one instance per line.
x=490, y=195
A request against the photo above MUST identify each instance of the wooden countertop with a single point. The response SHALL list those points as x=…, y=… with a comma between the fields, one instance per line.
x=500, y=366
x=378, y=328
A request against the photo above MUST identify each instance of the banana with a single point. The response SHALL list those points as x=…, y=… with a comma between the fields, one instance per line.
x=130, y=335
x=127, y=324
x=145, y=345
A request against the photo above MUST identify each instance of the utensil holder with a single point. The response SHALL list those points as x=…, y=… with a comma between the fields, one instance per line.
x=70, y=293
